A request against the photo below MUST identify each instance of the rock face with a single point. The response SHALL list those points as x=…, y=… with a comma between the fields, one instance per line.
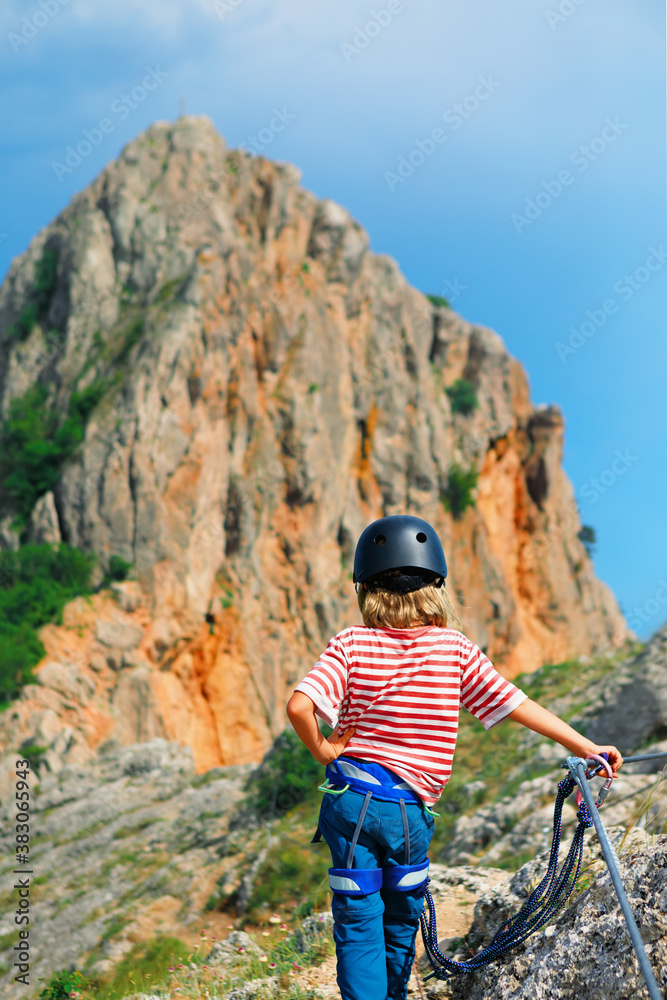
x=265, y=386
x=632, y=706
x=128, y=847
x=587, y=951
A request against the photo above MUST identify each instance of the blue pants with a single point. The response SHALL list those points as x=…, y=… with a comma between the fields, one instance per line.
x=375, y=934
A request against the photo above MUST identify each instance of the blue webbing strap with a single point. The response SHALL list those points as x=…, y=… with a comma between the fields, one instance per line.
x=545, y=900
x=406, y=832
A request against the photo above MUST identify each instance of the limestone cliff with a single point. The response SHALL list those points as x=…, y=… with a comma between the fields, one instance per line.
x=264, y=387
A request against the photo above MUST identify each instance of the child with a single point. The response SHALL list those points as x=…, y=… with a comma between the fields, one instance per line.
x=392, y=689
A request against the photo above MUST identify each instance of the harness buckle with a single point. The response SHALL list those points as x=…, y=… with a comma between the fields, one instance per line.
x=326, y=786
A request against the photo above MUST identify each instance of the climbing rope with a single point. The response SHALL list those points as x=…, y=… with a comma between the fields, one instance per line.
x=544, y=901
x=556, y=887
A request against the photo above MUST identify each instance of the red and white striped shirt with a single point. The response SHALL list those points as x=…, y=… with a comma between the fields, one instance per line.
x=402, y=689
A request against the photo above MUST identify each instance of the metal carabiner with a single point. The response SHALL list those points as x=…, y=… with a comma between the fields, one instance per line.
x=601, y=762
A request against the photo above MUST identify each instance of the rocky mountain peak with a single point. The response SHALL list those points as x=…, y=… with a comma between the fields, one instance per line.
x=253, y=385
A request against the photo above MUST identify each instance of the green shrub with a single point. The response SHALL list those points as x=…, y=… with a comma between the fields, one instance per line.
x=25, y=322
x=119, y=569
x=33, y=446
x=61, y=984
x=462, y=397
x=457, y=495
x=20, y=650
x=290, y=870
x=45, y=276
x=34, y=754
x=35, y=584
x=145, y=966
x=286, y=776
x=438, y=300
x=83, y=402
x=29, y=460
x=588, y=538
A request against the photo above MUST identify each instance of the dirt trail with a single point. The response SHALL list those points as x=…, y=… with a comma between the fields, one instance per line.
x=455, y=892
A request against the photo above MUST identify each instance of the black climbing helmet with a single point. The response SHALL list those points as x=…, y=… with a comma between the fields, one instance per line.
x=400, y=542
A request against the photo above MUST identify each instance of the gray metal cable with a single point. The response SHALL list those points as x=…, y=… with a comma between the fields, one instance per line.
x=362, y=814
x=577, y=769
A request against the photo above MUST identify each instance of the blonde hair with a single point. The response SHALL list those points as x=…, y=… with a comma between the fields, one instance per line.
x=429, y=605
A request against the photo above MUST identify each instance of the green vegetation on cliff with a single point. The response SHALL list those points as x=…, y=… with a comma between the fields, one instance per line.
x=45, y=277
x=34, y=443
x=286, y=776
x=457, y=495
x=439, y=300
x=462, y=397
x=35, y=584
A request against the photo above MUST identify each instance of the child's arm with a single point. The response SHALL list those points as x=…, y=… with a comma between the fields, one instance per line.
x=301, y=713
x=540, y=720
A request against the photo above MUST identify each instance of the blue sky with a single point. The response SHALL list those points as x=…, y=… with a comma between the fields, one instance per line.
x=553, y=109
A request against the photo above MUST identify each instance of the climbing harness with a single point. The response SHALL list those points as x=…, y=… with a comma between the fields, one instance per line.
x=372, y=781
x=556, y=887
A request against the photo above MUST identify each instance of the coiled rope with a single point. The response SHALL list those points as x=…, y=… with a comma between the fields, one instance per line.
x=544, y=901
x=556, y=887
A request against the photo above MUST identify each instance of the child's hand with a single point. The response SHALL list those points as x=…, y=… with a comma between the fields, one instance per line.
x=615, y=756
x=335, y=745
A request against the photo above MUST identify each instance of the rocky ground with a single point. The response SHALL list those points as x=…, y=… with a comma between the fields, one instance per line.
x=136, y=845
x=121, y=850
x=585, y=952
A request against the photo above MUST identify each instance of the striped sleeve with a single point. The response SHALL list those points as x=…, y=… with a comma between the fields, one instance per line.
x=487, y=695
x=326, y=683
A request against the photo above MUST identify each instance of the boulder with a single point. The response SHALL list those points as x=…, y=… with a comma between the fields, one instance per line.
x=631, y=707
x=120, y=633
x=44, y=526
x=68, y=679
x=586, y=952
x=235, y=944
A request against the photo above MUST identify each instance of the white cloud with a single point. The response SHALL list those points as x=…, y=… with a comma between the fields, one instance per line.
x=164, y=18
